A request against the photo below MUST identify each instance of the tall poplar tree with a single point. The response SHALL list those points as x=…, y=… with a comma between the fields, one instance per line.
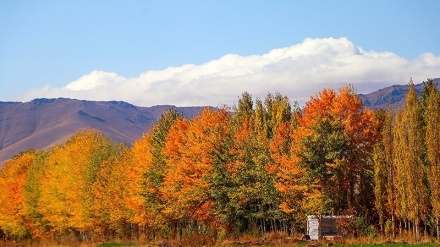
x=384, y=170
x=380, y=173
x=412, y=162
x=432, y=137
x=401, y=169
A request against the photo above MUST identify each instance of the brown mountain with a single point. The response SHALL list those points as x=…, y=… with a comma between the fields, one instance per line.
x=42, y=123
x=393, y=95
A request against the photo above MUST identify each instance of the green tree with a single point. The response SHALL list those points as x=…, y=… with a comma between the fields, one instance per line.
x=151, y=163
x=333, y=143
x=322, y=156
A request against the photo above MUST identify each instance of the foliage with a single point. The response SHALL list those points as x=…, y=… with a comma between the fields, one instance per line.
x=260, y=167
x=332, y=146
x=13, y=178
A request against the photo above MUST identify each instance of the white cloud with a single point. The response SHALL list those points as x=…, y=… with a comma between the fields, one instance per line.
x=299, y=72
x=94, y=80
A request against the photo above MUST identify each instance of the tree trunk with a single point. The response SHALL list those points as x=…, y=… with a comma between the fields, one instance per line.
x=416, y=231
x=426, y=228
x=381, y=223
x=319, y=227
x=393, y=224
x=407, y=225
x=437, y=229
x=400, y=227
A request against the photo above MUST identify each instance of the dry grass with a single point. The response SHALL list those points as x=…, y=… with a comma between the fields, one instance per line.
x=267, y=240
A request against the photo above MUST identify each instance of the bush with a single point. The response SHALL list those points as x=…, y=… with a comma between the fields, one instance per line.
x=389, y=228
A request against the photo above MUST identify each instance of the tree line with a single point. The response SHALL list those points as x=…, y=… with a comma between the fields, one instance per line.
x=261, y=166
x=407, y=164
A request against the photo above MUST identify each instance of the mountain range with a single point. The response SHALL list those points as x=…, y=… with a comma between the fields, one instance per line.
x=392, y=96
x=43, y=123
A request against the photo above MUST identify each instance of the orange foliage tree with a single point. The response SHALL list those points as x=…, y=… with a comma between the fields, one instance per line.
x=332, y=145
x=189, y=152
x=13, y=175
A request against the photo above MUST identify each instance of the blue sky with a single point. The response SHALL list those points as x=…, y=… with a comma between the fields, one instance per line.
x=209, y=52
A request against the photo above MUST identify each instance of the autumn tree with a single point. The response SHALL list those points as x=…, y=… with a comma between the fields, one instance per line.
x=289, y=177
x=384, y=170
x=13, y=177
x=190, y=151
x=408, y=158
x=148, y=171
x=35, y=222
x=67, y=200
x=262, y=166
x=254, y=199
x=388, y=152
x=110, y=212
x=333, y=144
x=401, y=172
x=432, y=136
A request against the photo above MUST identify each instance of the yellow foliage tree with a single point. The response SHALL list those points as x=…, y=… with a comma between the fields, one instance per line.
x=110, y=189
x=67, y=200
x=13, y=177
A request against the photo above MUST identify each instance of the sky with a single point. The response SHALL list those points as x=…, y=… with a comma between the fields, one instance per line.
x=195, y=53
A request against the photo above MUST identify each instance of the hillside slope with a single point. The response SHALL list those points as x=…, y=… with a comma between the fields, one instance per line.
x=393, y=95
x=42, y=123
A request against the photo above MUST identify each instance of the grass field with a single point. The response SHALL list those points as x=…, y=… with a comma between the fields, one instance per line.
x=270, y=240
x=389, y=245
x=301, y=244
x=116, y=244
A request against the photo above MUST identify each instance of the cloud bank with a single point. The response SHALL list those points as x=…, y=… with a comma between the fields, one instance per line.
x=298, y=71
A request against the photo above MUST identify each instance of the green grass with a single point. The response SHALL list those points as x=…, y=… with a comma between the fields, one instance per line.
x=374, y=245
x=358, y=245
x=353, y=245
x=303, y=244
x=116, y=244
x=389, y=245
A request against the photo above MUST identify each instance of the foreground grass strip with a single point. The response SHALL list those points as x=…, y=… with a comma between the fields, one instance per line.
x=388, y=245
x=116, y=244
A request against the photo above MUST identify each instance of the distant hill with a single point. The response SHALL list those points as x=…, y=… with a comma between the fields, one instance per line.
x=393, y=95
x=43, y=123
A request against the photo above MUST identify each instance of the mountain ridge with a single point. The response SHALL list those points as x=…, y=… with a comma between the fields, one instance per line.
x=42, y=123
x=391, y=96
